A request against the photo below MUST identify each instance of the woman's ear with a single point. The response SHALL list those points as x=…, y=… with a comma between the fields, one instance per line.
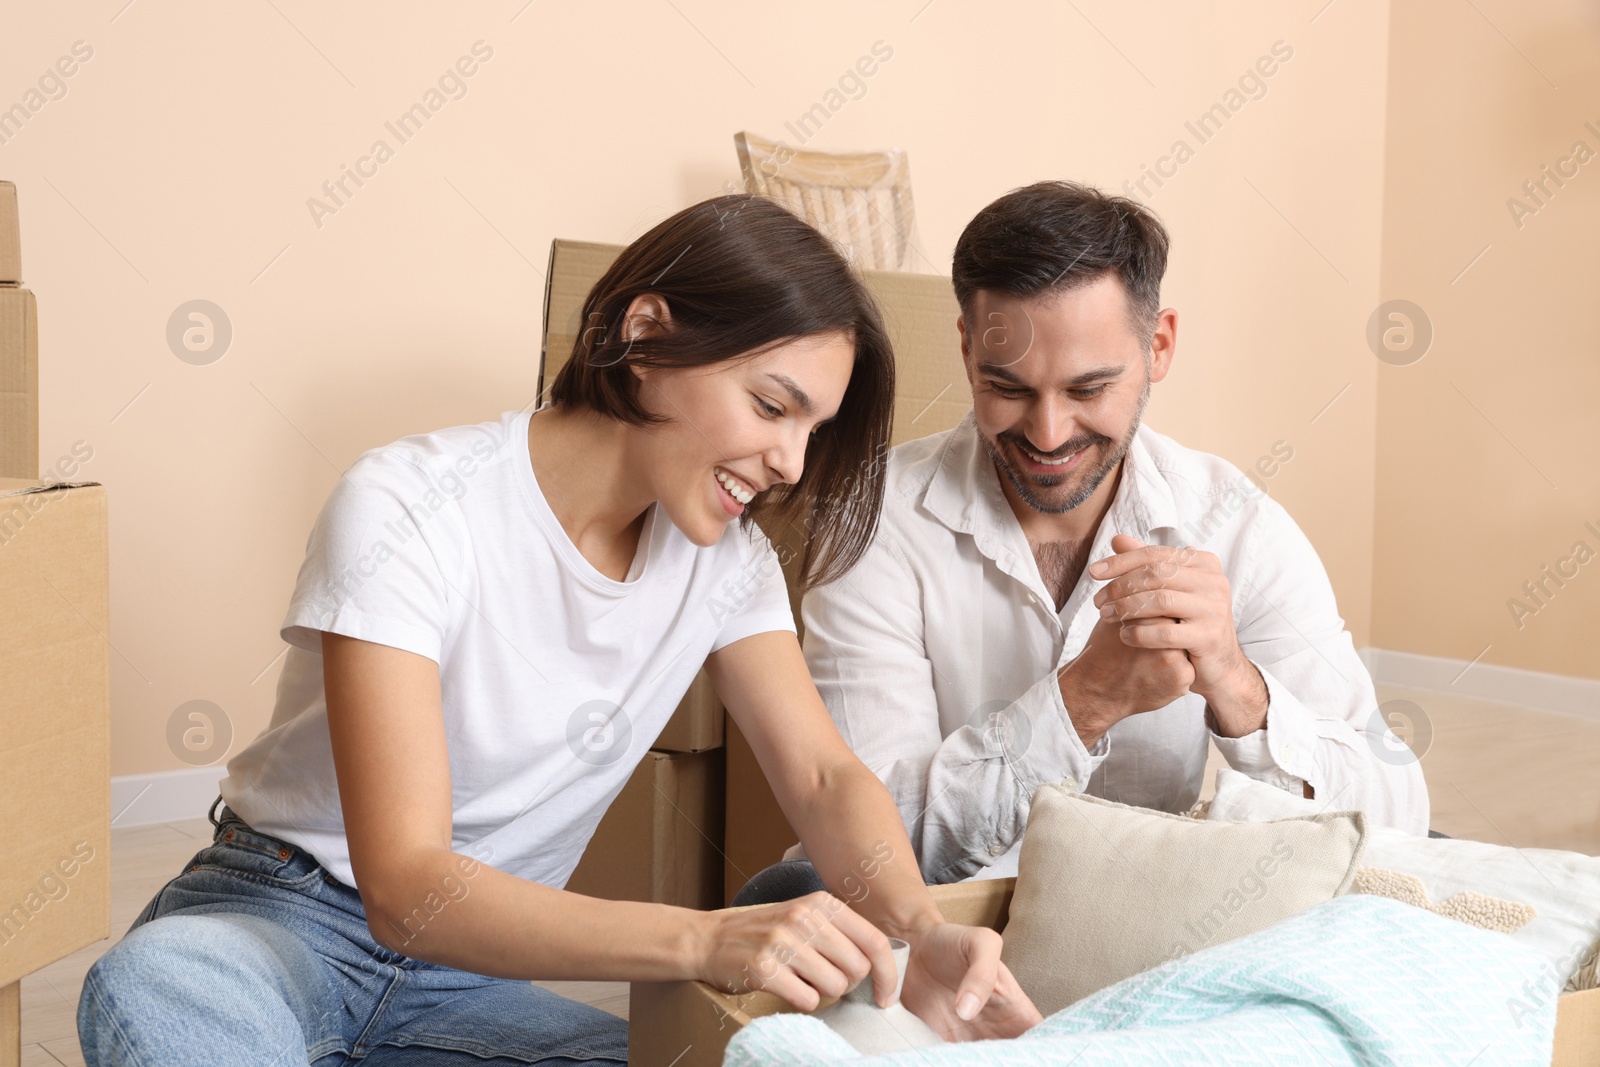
x=646, y=315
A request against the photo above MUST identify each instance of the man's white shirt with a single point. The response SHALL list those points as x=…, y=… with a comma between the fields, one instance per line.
x=937, y=656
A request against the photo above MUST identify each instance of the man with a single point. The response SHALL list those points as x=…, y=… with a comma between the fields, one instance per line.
x=1059, y=594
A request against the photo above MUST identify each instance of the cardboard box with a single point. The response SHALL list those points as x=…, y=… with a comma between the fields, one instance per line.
x=689, y=1024
x=697, y=724
x=661, y=839
x=55, y=714
x=756, y=832
x=19, y=385
x=10, y=236
x=574, y=268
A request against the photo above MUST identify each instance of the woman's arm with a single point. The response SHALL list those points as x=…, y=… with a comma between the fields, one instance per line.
x=854, y=836
x=392, y=761
x=850, y=826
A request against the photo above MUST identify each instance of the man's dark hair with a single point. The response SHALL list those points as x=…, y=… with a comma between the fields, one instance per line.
x=1057, y=235
x=741, y=274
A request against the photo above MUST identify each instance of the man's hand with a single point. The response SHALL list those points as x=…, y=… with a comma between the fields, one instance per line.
x=1112, y=679
x=1179, y=599
x=956, y=984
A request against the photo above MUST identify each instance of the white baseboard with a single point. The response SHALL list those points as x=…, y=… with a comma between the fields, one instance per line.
x=1560, y=693
x=165, y=796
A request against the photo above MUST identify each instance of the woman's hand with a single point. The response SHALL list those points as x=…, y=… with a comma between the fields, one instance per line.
x=956, y=984
x=801, y=950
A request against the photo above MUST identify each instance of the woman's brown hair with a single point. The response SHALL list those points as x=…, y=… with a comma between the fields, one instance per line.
x=740, y=274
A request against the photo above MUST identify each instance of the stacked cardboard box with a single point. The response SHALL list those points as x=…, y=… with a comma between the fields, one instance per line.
x=19, y=352
x=658, y=841
x=55, y=792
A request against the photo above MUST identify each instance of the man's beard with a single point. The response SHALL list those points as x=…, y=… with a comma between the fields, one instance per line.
x=1054, y=494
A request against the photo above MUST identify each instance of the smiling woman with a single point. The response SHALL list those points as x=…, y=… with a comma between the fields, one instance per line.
x=741, y=289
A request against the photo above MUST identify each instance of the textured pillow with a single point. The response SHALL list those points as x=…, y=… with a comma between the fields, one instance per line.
x=1105, y=890
x=1548, y=899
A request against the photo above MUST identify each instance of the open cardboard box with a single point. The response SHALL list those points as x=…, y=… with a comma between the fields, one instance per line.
x=689, y=1024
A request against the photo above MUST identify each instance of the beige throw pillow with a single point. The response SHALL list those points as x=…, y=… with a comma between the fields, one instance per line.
x=1105, y=890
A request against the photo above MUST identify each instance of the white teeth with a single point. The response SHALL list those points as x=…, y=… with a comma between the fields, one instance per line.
x=1050, y=462
x=734, y=487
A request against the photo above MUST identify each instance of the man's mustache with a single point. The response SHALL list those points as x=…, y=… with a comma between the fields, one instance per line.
x=1074, y=445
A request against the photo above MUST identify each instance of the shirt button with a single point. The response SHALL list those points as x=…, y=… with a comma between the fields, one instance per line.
x=1032, y=599
x=1070, y=784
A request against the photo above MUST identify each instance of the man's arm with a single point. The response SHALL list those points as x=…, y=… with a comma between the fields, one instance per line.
x=1323, y=725
x=963, y=798
x=1274, y=631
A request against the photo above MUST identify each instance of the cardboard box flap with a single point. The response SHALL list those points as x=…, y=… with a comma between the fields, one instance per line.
x=21, y=486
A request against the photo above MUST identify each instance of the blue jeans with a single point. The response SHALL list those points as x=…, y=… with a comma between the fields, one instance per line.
x=255, y=956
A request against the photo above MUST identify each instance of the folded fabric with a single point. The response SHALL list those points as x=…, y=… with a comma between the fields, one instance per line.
x=1358, y=980
x=1547, y=898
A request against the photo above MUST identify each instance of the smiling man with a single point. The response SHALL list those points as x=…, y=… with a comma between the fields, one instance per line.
x=1035, y=609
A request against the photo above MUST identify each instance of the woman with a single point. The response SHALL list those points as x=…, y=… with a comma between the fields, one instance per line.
x=491, y=625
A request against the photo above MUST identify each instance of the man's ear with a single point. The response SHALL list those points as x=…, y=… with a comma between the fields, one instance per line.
x=966, y=346
x=1163, y=344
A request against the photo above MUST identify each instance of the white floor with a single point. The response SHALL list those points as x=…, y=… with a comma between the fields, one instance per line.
x=1495, y=773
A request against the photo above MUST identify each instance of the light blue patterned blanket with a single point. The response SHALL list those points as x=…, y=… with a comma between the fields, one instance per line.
x=1359, y=980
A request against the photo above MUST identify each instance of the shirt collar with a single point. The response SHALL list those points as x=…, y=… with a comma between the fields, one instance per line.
x=965, y=492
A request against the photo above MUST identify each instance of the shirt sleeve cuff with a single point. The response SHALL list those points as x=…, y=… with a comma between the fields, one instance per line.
x=1282, y=752
x=756, y=623
x=1051, y=752
x=300, y=629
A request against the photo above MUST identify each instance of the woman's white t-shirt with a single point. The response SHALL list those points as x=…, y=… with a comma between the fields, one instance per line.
x=555, y=679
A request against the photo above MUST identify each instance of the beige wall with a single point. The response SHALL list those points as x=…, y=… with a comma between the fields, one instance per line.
x=179, y=164
x=1487, y=446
